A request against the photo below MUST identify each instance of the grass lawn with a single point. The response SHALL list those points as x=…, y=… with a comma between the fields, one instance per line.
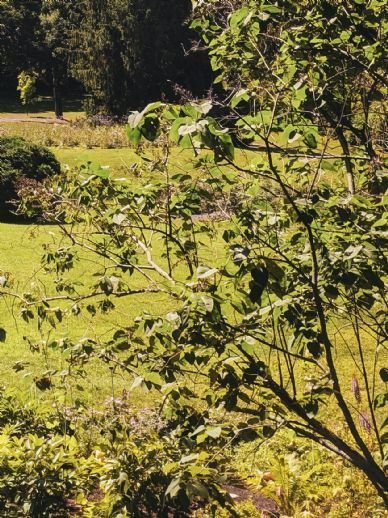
x=21, y=249
x=118, y=160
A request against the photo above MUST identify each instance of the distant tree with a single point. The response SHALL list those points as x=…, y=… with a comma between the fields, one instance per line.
x=128, y=52
x=27, y=87
x=35, y=35
x=57, y=18
x=20, y=41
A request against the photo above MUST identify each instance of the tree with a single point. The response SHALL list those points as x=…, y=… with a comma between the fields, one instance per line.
x=332, y=54
x=57, y=21
x=27, y=87
x=128, y=52
x=252, y=331
x=20, y=45
x=35, y=36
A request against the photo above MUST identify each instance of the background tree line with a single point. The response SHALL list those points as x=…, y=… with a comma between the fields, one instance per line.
x=121, y=53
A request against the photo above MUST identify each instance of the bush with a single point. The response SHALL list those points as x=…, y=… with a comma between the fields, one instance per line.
x=21, y=161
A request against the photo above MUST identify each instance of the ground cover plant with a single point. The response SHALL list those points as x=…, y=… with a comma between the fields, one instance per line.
x=269, y=336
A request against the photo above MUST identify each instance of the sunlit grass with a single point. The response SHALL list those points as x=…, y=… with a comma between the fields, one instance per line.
x=21, y=250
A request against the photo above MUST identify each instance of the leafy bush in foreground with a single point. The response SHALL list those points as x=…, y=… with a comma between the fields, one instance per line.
x=255, y=328
x=113, y=463
x=21, y=161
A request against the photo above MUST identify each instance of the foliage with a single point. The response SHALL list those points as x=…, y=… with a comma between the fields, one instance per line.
x=111, y=463
x=57, y=21
x=40, y=466
x=303, y=259
x=27, y=87
x=206, y=327
x=104, y=48
x=21, y=161
x=336, y=78
x=303, y=478
x=35, y=35
x=250, y=339
x=143, y=68
x=19, y=38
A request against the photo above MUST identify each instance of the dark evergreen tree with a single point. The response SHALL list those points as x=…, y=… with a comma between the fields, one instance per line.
x=20, y=39
x=35, y=35
x=57, y=19
x=129, y=52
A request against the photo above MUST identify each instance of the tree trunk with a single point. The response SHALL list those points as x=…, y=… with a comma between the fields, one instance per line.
x=57, y=94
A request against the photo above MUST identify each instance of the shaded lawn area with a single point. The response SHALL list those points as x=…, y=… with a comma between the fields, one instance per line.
x=41, y=107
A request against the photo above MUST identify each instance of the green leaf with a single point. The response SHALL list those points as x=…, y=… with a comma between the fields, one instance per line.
x=384, y=374
x=241, y=95
x=154, y=378
x=152, y=107
x=381, y=400
x=150, y=127
x=134, y=135
x=208, y=303
x=189, y=458
x=227, y=147
x=203, y=107
x=214, y=432
x=134, y=119
x=137, y=382
x=173, y=488
x=273, y=9
x=176, y=125
x=238, y=16
x=310, y=140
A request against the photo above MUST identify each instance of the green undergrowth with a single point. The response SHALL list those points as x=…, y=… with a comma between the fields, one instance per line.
x=302, y=478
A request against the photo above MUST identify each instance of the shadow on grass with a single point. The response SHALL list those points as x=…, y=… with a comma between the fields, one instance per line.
x=24, y=221
x=8, y=216
x=43, y=104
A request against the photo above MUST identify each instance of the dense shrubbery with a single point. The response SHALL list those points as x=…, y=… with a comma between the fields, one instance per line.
x=21, y=161
x=111, y=463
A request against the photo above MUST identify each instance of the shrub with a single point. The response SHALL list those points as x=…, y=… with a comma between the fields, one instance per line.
x=21, y=161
